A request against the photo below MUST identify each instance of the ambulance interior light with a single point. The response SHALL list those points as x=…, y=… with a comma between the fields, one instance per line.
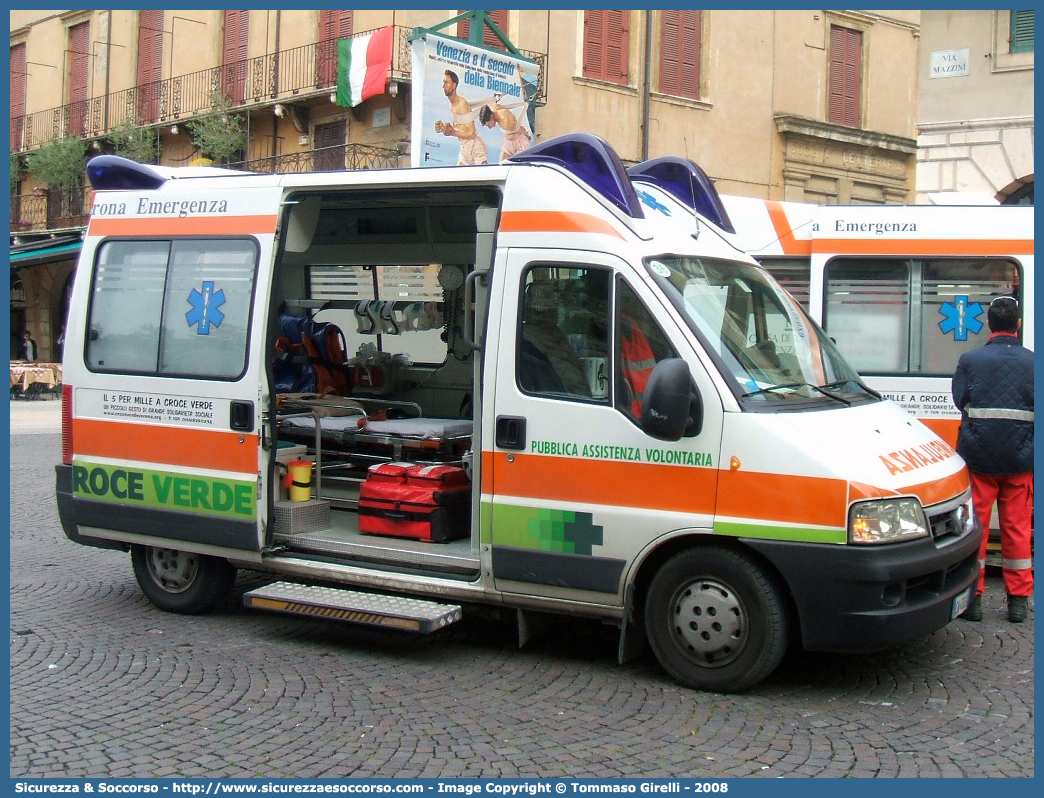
x=114, y=173
x=686, y=182
x=592, y=160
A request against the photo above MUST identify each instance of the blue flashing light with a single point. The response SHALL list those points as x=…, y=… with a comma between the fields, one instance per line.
x=687, y=183
x=114, y=173
x=592, y=160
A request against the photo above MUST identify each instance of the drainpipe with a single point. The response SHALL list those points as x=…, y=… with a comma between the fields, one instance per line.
x=108, y=72
x=275, y=87
x=646, y=89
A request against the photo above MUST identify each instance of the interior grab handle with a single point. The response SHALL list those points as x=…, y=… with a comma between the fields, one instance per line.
x=469, y=291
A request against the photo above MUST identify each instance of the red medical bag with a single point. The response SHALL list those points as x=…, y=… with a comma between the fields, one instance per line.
x=409, y=500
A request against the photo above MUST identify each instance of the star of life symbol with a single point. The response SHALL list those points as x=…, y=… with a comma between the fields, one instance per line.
x=205, y=308
x=960, y=317
x=653, y=203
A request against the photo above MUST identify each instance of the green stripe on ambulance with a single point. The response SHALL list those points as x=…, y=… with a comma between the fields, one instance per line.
x=228, y=498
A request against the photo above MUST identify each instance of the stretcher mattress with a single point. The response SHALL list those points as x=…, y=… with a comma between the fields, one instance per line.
x=347, y=428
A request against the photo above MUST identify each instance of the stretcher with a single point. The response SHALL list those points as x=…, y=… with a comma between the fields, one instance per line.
x=415, y=439
x=350, y=435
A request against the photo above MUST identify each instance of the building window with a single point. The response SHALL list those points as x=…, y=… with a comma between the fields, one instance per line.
x=333, y=25
x=680, y=44
x=846, y=76
x=150, y=65
x=17, y=95
x=606, y=45
x=489, y=39
x=78, y=75
x=234, y=55
x=1021, y=40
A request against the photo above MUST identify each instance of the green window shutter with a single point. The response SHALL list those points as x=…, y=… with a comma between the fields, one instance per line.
x=1021, y=32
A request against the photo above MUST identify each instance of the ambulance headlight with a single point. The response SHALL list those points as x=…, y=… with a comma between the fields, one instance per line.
x=966, y=518
x=887, y=521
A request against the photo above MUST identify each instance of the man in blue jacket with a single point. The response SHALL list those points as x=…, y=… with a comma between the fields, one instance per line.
x=993, y=387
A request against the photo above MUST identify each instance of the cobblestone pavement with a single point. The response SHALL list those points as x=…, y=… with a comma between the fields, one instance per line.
x=105, y=685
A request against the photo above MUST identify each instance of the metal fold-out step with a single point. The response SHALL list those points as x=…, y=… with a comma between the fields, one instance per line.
x=394, y=612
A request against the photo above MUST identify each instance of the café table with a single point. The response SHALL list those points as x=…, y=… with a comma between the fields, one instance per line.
x=33, y=379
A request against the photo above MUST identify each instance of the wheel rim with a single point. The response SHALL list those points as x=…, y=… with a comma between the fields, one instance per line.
x=709, y=622
x=172, y=570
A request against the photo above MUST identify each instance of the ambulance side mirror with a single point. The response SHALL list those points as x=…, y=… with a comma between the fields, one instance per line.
x=671, y=407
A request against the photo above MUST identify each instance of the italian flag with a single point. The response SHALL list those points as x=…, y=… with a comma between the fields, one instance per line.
x=362, y=65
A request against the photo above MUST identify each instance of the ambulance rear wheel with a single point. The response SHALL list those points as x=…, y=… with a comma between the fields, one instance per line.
x=715, y=621
x=180, y=581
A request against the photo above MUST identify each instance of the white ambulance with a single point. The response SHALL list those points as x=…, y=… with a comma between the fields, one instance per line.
x=902, y=290
x=524, y=385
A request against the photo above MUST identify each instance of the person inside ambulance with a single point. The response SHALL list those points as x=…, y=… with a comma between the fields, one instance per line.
x=642, y=346
x=547, y=361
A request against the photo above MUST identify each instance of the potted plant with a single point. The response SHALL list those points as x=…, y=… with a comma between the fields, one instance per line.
x=16, y=172
x=133, y=141
x=218, y=134
x=60, y=163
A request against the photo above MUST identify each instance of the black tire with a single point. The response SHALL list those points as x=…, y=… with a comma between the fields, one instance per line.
x=180, y=581
x=715, y=621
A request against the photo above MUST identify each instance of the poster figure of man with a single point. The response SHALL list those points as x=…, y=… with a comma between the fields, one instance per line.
x=470, y=78
x=516, y=137
x=472, y=148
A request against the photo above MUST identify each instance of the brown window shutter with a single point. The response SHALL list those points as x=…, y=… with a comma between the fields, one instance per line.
x=237, y=30
x=489, y=39
x=18, y=66
x=79, y=71
x=680, y=34
x=333, y=25
x=500, y=19
x=150, y=65
x=617, y=45
x=594, y=45
x=854, y=82
x=846, y=55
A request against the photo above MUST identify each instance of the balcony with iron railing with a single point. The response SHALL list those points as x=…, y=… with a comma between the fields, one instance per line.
x=300, y=73
x=49, y=209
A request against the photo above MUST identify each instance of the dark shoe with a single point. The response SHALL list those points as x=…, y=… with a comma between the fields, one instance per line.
x=974, y=611
x=1017, y=608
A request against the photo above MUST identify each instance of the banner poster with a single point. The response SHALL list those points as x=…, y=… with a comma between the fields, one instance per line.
x=470, y=104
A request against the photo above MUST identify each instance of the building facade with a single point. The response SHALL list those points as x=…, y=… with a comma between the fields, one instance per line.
x=975, y=119
x=819, y=106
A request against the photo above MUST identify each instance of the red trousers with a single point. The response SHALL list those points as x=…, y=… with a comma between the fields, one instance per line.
x=1013, y=495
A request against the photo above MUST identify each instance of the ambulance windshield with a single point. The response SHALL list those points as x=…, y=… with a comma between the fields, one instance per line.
x=774, y=353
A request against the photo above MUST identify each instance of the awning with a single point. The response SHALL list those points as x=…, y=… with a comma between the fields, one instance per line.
x=48, y=251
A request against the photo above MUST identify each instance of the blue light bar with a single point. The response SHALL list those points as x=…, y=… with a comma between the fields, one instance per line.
x=114, y=173
x=687, y=183
x=591, y=159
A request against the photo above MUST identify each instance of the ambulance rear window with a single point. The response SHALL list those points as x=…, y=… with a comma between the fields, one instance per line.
x=913, y=315
x=177, y=307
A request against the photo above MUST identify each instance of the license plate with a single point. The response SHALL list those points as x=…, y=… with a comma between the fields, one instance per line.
x=960, y=602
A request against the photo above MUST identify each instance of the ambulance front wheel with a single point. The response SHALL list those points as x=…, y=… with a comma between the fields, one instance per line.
x=180, y=581
x=715, y=621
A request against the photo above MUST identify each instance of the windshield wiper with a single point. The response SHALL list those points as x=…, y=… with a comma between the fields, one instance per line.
x=774, y=388
x=790, y=385
x=855, y=383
